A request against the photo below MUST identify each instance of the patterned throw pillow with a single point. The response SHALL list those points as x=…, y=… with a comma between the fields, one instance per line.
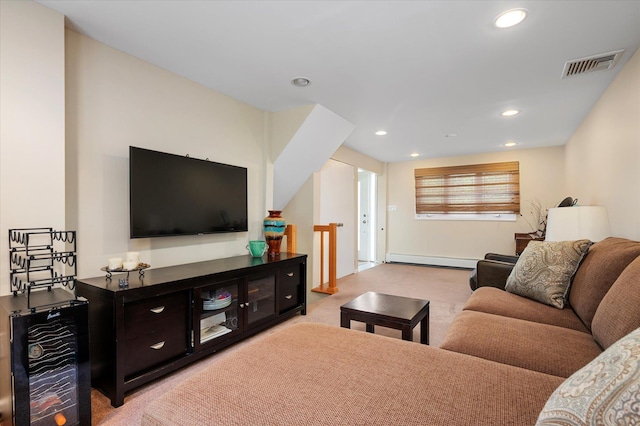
x=604, y=392
x=545, y=268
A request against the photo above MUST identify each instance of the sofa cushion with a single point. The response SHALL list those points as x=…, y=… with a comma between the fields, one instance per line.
x=619, y=311
x=499, y=302
x=540, y=347
x=602, y=265
x=315, y=374
x=544, y=270
x=605, y=391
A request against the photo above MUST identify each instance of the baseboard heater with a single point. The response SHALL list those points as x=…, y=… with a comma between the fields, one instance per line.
x=452, y=262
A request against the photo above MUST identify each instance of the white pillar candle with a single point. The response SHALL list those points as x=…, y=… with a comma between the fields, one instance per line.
x=133, y=256
x=115, y=263
x=130, y=266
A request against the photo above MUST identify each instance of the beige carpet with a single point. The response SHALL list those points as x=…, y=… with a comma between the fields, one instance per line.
x=447, y=290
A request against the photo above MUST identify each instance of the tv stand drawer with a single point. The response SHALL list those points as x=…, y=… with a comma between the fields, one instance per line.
x=155, y=314
x=289, y=288
x=154, y=348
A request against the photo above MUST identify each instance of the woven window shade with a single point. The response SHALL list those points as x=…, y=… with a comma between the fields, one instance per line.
x=479, y=188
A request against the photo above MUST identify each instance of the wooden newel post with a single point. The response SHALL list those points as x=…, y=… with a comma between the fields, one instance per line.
x=332, y=229
x=291, y=232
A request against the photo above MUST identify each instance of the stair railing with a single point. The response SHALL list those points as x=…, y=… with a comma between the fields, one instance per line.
x=332, y=230
x=291, y=233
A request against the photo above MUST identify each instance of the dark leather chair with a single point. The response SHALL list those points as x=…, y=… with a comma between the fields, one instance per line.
x=492, y=271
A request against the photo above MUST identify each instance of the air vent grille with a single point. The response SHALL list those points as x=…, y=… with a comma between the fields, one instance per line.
x=601, y=62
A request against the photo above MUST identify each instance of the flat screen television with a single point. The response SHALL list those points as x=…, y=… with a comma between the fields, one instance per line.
x=179, y=195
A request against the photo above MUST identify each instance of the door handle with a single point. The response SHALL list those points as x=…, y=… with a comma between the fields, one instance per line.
x=157, y=310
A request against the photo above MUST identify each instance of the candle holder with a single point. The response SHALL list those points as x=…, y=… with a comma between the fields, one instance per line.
x=140, y=268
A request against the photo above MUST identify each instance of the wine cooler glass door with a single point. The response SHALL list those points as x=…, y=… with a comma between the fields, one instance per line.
x=50, y=358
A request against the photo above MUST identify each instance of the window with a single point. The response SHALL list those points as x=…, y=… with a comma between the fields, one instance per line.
x=474, y=189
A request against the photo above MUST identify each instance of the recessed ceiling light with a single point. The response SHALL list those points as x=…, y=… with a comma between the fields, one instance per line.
x=510, y=18
x=301, y=82
x=510, y=113
x=381, y=133
x=510, y=143
x=415, y=154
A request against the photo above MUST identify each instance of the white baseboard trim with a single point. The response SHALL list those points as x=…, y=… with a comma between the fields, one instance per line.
x=432, y=260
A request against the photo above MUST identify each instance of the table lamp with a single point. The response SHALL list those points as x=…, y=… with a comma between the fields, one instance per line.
x=577, y=222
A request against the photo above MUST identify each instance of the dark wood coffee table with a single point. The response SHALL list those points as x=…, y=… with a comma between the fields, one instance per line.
x=400, y=313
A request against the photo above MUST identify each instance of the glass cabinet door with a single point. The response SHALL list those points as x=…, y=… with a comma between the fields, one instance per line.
x=216, y=311
x=261, y=299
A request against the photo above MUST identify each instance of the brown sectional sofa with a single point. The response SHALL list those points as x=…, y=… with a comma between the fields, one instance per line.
x=604, y=300
x=504, y=356
x=316, y=374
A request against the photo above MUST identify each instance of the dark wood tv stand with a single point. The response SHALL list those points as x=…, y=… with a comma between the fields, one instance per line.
x=173, y=316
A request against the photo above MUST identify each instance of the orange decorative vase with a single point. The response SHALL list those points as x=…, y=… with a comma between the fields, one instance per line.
x=274, y=226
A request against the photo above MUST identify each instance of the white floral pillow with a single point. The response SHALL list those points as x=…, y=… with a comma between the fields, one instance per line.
x=604, y=392
x=544, y=270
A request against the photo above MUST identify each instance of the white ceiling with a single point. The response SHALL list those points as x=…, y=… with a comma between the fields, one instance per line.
x=418, y=69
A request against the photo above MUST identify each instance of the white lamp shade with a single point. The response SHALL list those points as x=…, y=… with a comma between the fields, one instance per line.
x=576, y=223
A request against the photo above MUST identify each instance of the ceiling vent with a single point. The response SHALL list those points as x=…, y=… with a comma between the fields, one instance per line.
x=601, y=62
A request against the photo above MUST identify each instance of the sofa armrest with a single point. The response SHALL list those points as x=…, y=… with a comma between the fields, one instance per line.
x=502, y=257
x=493, y=273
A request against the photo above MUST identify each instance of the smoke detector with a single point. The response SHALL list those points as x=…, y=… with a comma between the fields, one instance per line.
x=601, y=62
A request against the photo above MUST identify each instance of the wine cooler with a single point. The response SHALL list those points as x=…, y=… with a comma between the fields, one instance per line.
x=45, y=373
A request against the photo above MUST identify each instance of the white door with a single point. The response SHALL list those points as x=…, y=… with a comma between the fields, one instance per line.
x=338, y=205
x=364, y=217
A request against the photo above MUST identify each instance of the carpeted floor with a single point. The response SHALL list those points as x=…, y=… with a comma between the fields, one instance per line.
x=446, y=289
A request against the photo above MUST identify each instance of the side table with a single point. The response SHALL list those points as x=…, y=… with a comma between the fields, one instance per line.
x=397, y=312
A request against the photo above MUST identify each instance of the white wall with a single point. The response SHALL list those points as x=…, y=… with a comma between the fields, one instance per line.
x=32, y=124
x=115, y=100
x=541, y=179
x=603, y=156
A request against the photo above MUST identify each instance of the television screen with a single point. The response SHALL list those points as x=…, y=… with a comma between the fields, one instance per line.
x=175, y=195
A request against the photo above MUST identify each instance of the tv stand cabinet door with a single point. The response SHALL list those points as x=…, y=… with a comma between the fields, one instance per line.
x=260, y=299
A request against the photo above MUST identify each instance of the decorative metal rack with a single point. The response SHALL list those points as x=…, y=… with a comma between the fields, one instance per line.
x=42, y=257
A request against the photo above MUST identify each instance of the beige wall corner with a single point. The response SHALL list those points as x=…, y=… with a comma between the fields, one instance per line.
x=32, y=113
x=603, y=155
